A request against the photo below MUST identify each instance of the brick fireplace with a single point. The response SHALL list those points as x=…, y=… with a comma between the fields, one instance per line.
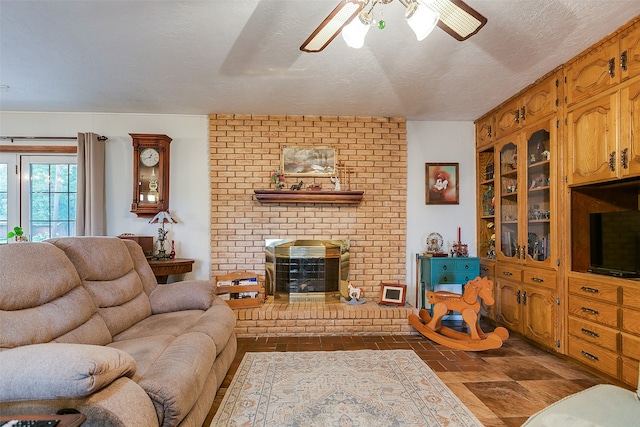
x=245, y=149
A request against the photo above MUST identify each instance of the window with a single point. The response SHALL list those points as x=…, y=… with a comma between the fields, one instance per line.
x=41, y=199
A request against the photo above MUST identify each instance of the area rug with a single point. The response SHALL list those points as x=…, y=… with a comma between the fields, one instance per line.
x=364, y=388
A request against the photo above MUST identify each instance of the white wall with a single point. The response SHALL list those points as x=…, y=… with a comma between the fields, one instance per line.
x=189, y=186
x=439, y=142
x=428, y=142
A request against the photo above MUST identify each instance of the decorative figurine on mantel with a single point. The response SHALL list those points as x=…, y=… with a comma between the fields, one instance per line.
x=356, y=295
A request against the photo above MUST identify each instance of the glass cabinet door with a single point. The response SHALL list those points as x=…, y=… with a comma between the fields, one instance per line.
x=539, y=196
x=509, y=246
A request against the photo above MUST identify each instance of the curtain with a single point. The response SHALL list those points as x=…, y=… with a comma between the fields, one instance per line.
x=90, y=204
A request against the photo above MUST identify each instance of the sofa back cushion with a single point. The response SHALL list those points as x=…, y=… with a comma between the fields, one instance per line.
x=108, y=272
x=42, y=299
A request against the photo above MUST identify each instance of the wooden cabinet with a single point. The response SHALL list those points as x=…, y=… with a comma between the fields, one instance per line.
x=592, y=140
x=604, y=66
x=527, y=309
x=536, y=103
x=487, y=269
x=604, y=324
x=485, y=130
x=527, y=196
x=629, y=144
x=603, y=137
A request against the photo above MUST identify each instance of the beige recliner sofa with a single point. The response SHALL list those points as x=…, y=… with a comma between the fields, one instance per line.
x=84, y=325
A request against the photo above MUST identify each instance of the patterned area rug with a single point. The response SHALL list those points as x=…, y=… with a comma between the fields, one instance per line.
x=363, y=388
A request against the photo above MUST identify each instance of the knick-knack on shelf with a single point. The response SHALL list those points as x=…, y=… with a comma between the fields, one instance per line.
x=172, y=254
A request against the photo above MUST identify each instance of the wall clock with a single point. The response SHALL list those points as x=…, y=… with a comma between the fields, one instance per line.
x=150, y=173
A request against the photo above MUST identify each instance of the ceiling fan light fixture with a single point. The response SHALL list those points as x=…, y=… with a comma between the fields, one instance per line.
x=354, y=32
x=422, y=19
x=331, y=26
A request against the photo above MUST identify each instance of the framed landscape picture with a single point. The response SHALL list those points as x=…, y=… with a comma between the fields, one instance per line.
x=308, y=161
x=442, y=184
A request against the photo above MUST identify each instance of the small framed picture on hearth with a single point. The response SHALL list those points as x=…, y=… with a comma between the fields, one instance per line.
x=442, y=184
x=393, y=294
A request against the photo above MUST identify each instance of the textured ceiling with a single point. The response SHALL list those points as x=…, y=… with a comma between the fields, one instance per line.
x=242, y=56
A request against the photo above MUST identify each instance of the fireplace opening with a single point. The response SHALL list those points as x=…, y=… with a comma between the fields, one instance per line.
x=307, y=270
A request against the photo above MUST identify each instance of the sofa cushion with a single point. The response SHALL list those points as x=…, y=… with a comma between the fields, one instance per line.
x=217, y=323
x=42, y=299
x=106, y=268
x=173, y=370
x=60, y=370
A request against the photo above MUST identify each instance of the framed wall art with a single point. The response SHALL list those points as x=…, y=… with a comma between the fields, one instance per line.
x=393, y=294
x=308, y=161
x=442, y=184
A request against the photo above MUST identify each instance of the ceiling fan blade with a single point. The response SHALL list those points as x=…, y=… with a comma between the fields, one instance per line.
x=332, y=25
x=457, y=18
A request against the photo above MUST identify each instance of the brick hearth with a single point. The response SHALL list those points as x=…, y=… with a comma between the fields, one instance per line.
x=309, y=318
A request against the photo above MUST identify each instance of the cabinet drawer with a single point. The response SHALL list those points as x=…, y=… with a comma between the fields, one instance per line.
x=594, y=333
x=589, y=288
x=442, y=265
x=630, y=371
x=469, y=266
x=595, y=311
x=631, y=321
x=604, y=360
x=538, y=277
x=509, y=272
x=487, y=270
x=443, y=277
x=630, y=346
x=631, y=296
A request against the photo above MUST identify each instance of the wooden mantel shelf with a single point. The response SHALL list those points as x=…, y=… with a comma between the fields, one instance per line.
x=301, y=196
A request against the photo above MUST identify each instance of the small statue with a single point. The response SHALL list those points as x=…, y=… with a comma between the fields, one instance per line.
x=356, y=295
x=297, y=186
x=336, y=183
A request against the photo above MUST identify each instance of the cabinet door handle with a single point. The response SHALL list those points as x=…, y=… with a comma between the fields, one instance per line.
x=524, y=252
x=485, y=268
x=445, y=279
x=537, y=280
x=517, y=115
x=518, y=299
x=591, y=290
x=507, y=273
x=523, y=114
x=589, y=355
x=524, y=298
x=590, y=333
x=612, y=161
x=489, y=131
x=589, y=310
x=623, y=60
x=624, y=158
x=612, y=67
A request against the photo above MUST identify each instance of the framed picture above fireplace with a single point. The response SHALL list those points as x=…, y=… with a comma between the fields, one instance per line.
x=393, y=294
x=308, y=161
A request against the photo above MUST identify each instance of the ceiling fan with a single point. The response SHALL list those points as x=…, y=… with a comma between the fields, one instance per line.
x=354, y=17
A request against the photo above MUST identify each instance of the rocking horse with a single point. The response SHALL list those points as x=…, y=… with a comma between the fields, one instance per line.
x=468, y=305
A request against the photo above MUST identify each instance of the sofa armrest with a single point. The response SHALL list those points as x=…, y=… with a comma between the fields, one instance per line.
x=178, y=296
x=56, y=370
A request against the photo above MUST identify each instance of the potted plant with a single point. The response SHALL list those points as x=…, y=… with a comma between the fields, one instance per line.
x=18, y=234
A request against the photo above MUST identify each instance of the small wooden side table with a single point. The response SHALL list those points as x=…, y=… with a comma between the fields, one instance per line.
x=67, y=420
x=163, y=268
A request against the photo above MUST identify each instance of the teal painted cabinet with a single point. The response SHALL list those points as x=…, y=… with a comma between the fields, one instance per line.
x=436, y=272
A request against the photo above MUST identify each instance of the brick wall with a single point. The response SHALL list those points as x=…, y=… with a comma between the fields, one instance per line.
x=245, y=149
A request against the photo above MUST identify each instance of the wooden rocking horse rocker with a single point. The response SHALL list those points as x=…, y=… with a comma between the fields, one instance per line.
x=468, y=305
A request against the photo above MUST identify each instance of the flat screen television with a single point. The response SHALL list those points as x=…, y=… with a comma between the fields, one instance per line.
x=615, y=243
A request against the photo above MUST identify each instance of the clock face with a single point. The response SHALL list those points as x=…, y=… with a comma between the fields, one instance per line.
x=149, y=157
